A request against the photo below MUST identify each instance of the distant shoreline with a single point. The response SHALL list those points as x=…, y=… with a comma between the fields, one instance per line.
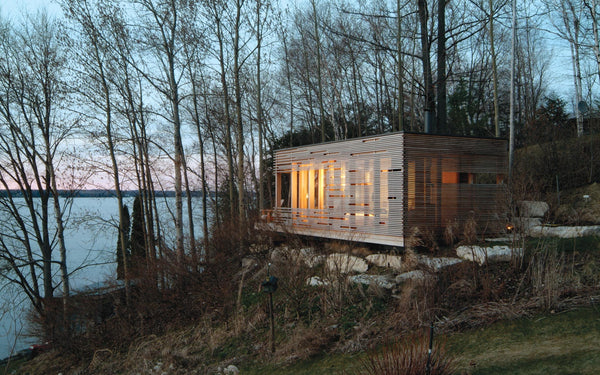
x=96, y=193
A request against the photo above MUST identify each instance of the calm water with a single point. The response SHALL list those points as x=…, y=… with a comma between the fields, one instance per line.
x=91, y=241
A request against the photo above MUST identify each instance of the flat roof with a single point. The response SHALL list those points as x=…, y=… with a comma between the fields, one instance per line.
x=392, y=133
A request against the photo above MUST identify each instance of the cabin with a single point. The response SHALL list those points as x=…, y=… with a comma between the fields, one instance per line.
x=378, y=189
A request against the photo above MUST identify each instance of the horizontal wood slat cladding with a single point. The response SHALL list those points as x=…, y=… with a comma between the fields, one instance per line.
x=455, y=179
x=376, y=189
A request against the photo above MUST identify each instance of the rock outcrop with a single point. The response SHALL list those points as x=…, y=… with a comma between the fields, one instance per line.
x=385, y=260
x=345, y=263
x=488, y=254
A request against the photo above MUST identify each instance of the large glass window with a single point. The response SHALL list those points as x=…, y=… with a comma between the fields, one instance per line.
x=285, y=197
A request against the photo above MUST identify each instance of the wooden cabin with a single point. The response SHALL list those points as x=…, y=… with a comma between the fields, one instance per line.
x=378, y=189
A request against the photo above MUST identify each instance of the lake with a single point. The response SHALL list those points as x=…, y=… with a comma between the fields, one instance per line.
x=91, y=242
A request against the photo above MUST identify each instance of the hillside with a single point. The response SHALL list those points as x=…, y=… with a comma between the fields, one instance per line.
x=332, y=318
x=343, y=318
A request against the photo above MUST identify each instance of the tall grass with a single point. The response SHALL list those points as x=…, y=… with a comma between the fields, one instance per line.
x=409, y=357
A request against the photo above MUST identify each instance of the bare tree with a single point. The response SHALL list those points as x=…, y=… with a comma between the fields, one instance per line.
x=426, y=60
x=237, y=66
x=441, y=68
x=32, y=137
x=262, y=14
x=592, y=7
x=317, y=39
x=570, y=29
x=400, y=64
x=492, y=12
x=161, y=32
x=216, y=10
x=97, y=61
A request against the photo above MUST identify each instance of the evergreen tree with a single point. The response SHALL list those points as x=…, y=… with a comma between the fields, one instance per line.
x=137, y=238
x=120, y=265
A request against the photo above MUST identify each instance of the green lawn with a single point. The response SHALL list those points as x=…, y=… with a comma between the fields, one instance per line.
x=564, y=343
x=338, y=364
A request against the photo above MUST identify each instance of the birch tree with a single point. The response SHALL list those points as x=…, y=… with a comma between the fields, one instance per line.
x=160, y=32
x=32, y=137
x=569, y=28
x=97, y=63
x=216, y=9
x=592, y=8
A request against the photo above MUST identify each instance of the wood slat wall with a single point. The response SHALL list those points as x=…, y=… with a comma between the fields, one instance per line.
x=376, y=189
x=355, y=204
x=456, y=179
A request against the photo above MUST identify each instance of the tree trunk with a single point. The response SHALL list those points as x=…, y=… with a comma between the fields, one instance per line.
x=197, y=123
x=441, y=76
x=288, y=76
x=494, y=71
x=594, y=17
x=259, y=115
x=238, y=111
x=400, y=67
x=427, y=75
x=225, y=87
x=319, y=78
x=513, y=47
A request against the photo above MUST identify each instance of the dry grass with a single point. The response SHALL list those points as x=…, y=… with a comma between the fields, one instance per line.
x=410, y=261
x=408, y=357
x=573, y=208
x=470, y=231
x=451, y=232
x=303, y=343
x=219, y=318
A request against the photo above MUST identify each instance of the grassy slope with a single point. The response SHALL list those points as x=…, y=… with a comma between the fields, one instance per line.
x=565, y=343
x=338, y=364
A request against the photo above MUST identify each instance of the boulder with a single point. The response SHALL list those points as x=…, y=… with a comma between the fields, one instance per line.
x=259, y=248
x=315, y=261
x=528, y=224
x=305, y=255
x=385, y=260
x=565, y=232
x=490, y=254
x=310, y=258
x=248, y=263
x=533, y=208
x=316, y=281
x=437, y=264
x=382, y=281
x=416, y=275
x=231, y=370
x=345, y=263
x=279, y=254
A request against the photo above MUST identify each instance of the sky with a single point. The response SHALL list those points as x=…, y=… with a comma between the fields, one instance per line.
x=13, y=8
x=560, y=72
